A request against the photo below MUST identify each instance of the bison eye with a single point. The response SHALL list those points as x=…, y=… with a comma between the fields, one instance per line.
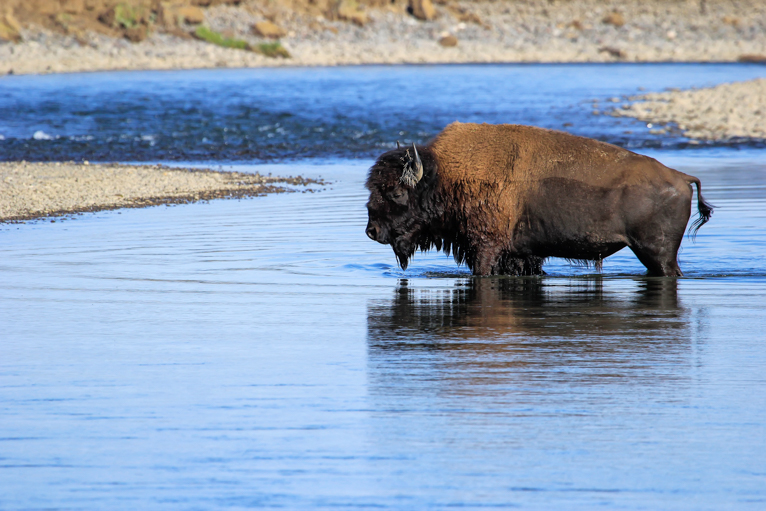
x=399, y=196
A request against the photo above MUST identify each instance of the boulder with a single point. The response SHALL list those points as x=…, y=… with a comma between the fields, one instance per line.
x=268, y=29
x=613, y=52
x=74, y=6
x=10, y=30
x=448, y=41
x=166, y=14
x=137, y=34
x=190, y=14
x=752, y=58
x=42, y=7
x=348, y=10
x=422, y=9
x=614, y=18
x=463, y=14
x=209, y=3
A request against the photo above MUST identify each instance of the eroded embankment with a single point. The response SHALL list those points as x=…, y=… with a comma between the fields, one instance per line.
x=334, y=32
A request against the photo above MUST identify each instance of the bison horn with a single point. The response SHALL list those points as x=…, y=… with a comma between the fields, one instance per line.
x=418, y=164
x=397, y=145
x=413, y=168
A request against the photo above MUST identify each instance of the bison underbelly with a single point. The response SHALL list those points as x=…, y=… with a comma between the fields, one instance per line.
x=578, y=249
x=573, y=220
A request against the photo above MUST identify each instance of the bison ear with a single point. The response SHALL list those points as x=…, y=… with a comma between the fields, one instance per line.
x=412, y=172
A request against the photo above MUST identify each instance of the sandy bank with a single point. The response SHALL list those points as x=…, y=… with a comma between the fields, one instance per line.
x=536, y=31
x=724, y=112
x=35, y=190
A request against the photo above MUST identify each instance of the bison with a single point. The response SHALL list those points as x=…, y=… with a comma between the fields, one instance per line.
x=503, y=198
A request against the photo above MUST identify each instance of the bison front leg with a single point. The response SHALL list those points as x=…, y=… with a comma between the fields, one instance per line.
x=486, y=261
x=495, y=262
x=514, y=264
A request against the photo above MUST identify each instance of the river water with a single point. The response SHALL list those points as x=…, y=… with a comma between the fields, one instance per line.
x=264, y=353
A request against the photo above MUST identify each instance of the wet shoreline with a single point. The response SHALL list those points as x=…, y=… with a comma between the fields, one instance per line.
x=42, y=190
x=720, y=113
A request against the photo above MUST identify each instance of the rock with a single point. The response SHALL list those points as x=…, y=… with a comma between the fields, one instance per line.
x=614, y=18
x=756, y=59
x=41, y=7
x=190, y=14
x=10, y=30
x=171, y=12
x=74, y=6
x=464, y=15
x=614, y=52
x=268, y=29
x=448, y=41
x=137, y=34
x=167, y=13
x=422, y=9
x=348, y=10
x=210, y=3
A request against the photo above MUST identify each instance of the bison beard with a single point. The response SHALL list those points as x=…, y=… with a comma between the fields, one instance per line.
x=503, y=198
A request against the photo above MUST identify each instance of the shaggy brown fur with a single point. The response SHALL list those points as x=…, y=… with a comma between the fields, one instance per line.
x=503, y=198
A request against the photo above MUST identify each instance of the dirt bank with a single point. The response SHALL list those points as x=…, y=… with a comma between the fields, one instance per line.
x=35, y=190
x=727, y=111
x=93, y=35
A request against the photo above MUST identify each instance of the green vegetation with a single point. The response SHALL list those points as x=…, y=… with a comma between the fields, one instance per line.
x=272, y=50
x=211, y=36
x=126, y=16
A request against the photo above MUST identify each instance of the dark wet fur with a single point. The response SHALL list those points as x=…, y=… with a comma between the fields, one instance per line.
x=428, y=209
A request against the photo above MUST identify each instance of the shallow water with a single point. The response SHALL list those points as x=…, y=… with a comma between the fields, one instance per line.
x=277, y=114
x=265, y=353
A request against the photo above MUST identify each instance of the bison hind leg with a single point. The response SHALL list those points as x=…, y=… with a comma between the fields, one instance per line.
x=659, y=253
x=495, y=261
x=660, y=263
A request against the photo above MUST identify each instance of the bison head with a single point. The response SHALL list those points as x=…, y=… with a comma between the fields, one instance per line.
x=400, y=209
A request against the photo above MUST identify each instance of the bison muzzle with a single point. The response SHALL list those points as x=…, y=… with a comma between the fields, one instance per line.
x=503, y=198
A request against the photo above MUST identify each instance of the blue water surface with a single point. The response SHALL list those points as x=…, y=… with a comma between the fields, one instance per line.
x=268, y=115
x=263, y=353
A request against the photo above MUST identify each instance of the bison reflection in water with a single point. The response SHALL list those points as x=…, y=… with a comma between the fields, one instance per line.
x=503, y=198
x=492, y=331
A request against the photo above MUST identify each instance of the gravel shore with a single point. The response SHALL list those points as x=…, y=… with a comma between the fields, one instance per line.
x=38, y=190
x=727, y=111
x=537, y=31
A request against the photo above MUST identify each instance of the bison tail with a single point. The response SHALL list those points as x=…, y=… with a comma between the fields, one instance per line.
x=705, y=210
